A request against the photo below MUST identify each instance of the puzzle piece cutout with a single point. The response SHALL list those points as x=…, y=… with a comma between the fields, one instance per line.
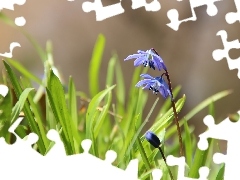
x=232, y=17
x=219, y=54
x=19, y=21
x=225, y=130
x=153, y=6
x=9, y=4
x=173, y=14
x=3, y=90
x=21, y=156
x=180, y=162
x=102, y=12
x=12, y=46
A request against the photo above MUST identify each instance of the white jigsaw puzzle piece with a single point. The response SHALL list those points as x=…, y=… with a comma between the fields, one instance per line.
x=58, y=149
x=153, y=6
x=102, y=12
x=157, y=174
x=229, y=131
x=9, y=4
x=232, y=17
x=173, y=14
x=3, y=90
x=19, y=21
x=180, y=162
x=219, y=54
x=12, y=46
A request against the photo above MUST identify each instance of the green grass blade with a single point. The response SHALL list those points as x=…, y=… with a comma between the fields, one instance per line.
x=101, y=118
x=142, y=126
x=163, y=122
x=23, y=70
x=7, y=20
x=20, y=104
x=143, y=154
x=27, y=111
x=199, y=161
x=94, y=65
x=198, y=108
x=120, y=89
x=36, y=109
x=91, y=111
x=188, y=144
x=220, y=175
x=58, y=104
x=167, y=103
x=165, y=119
x=72, y=101
x=6, y=105
x=110, y=70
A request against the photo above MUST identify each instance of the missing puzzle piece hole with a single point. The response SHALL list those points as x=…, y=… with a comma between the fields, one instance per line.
x=231, y=17
x=218, y=54
x=234, y=53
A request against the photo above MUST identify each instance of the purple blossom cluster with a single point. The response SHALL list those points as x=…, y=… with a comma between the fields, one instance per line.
x=153, y=60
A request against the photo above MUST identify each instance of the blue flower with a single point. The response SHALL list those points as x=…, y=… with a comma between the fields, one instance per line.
x=156, y=84
x=149, y=58
x=152, y=139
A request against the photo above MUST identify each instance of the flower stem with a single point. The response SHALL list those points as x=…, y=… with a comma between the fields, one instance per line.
x=161, y=151
x=174, y=109
x=175, y=114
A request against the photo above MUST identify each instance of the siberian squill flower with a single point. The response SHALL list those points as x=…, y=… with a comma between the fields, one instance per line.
x=149, y=58
x=156, y=84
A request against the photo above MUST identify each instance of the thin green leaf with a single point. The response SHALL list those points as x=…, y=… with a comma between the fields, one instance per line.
x=28, y=114
x=142, y=126
x=94, y=65
x=199, y=161
x=220, y=175
x=198, y=108
x=5, y=108
x=36, y=109
x=162, y=123
x=143, y=154
x=92, y=107
x=19, y=105
x=101, y=118
x=72, y=101
x=58, y=104
x=110, y=70
x=24, y=71
x=120, y=89
x=167, y=103
x=188, y=144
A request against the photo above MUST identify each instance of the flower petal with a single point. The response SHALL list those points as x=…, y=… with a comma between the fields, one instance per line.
x=139, y=61
x=142, y=52
x=159, y=62
x=146, y=76
x=133, y=56
x=142, y=82
x=149, y=84
x=164, y=89
x=163, y=92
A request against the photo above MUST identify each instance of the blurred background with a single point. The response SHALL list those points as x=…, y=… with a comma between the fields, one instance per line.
x=186, y=52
